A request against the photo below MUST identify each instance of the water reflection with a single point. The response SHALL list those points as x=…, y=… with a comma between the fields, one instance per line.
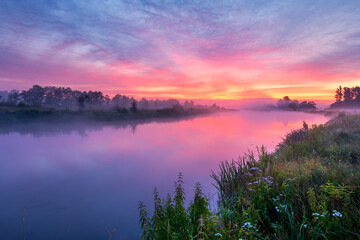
x=79, y=180
x=39, y=128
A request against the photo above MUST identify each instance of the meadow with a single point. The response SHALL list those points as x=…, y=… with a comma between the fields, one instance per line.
x=308, y=188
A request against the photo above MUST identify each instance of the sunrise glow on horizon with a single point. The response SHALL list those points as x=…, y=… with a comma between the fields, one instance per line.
x=215, y=50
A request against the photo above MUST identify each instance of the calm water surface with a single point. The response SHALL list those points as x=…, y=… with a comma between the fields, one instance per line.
x=78, y=181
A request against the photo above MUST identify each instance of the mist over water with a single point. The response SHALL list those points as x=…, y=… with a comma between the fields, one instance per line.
x=80, y=180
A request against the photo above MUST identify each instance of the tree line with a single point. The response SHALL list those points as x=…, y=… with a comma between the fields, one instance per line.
x=347, y=97
x=287, y=104
x=61, y=97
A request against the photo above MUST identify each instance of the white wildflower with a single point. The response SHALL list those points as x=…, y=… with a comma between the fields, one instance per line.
x=248, y=225
x=337, y=214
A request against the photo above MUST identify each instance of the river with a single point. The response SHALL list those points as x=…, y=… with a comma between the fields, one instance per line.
x=78, y=181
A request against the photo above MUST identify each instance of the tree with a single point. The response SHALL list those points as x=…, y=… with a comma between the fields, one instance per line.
x=284, y=103
x=53, y=96
x=133, y=107
x=293, y=106
x=13, y=97
x=347, y=94
x=70, y=98
x=307, y=105
x=81, y=100
x=143, y=104
x=95, y=98
x=121, y=101
x=34, y=96
x=356, y=93
x=286, y=98
x=339, y=94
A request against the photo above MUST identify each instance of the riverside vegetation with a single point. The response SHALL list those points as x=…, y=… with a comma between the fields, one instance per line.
x=41, y=114
x=64, y=104
x=307, y=189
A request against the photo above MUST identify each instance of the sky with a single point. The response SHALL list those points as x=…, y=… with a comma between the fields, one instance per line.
x=220, y=50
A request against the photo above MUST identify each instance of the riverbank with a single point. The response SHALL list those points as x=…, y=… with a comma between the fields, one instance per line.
x=307, y=189
x=41, y=114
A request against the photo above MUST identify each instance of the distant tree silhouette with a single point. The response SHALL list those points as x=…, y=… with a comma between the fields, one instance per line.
x=347, y=97
x=286, y=98
x=60, y=98
x=34, y=96
x=133, y=107
x=13, y=97
x=356, y=93
x=21, y=104
x=338, y=94
x=143, y=104
x=95, y=98
x=82, y=99
x=293, y=106
x=287, y=104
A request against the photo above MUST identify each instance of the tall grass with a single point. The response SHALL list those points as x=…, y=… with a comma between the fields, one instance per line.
x=171, y=220
x=309, y=188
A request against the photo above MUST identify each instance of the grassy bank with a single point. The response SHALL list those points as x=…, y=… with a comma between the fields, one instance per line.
x=307, y=189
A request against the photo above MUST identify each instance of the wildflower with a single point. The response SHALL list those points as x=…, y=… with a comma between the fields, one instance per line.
x=305, y=225
x=317, y=215
x=277, y=209
x=218, y=235
x=250, y=183
x=248, y=225
x=267, y=180
x=337, y=214
x=251, y=190
x=256, y=182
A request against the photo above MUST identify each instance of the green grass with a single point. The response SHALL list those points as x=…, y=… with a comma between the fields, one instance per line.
x=171, y=220
x=309, y=188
